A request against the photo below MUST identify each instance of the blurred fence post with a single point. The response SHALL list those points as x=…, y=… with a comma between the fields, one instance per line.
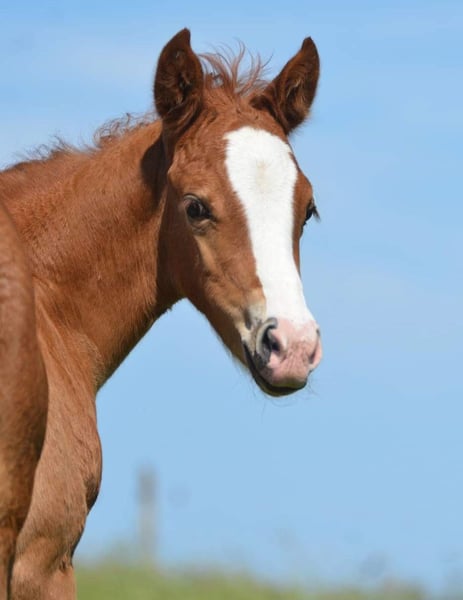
x=146, y=516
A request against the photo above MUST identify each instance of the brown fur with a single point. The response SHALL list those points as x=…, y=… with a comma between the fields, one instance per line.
x=110, y=249
x=23, y=393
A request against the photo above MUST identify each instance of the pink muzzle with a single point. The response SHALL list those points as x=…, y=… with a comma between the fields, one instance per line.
x=284, y=355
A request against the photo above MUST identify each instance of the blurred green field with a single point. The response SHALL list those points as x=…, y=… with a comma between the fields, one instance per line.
x=126, y=583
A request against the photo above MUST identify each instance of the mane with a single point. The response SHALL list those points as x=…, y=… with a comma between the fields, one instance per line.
x=117, y=128
x=224, y=73
x=60, y=150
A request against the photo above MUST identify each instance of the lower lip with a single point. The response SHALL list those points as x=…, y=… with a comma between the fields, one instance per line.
x=267, y=387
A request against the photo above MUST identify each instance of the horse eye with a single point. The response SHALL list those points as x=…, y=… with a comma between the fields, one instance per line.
x=311, y=211
x=196, y=209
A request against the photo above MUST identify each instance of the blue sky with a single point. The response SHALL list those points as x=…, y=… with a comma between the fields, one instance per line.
x=361, y=476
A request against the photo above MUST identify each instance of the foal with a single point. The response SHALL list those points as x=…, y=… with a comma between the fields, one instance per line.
x=208, y=203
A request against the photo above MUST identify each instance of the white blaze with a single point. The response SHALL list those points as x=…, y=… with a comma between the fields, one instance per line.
x=263, y=174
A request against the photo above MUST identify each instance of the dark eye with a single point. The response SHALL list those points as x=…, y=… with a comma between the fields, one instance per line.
x=308, y=213
x=196, y=209
x=311, y=212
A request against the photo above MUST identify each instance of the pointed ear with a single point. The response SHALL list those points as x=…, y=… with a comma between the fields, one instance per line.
x=178, y=85
x=289, y=96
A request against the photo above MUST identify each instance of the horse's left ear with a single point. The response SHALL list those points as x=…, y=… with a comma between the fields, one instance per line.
x=178, y=85
x=289, y=96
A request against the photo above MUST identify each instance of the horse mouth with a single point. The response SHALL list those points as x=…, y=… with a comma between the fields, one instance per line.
x=266, y=386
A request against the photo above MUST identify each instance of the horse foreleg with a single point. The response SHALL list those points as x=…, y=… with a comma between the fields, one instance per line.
x=18, y=459
x=23, y=394
x=31, y=583
x=66, y=485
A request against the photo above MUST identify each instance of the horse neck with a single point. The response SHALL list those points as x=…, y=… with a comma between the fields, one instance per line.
x=93, y=234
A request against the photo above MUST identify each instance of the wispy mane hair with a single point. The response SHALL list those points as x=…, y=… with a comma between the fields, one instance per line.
x=224, y=72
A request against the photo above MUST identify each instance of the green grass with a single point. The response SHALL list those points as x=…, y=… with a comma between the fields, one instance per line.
x=106, y=582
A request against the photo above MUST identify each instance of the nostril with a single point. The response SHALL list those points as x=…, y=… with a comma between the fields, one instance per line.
x=270, y=341
x=266, y=343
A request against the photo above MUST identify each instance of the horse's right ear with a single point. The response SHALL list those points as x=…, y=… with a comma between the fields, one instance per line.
x=178, y=85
